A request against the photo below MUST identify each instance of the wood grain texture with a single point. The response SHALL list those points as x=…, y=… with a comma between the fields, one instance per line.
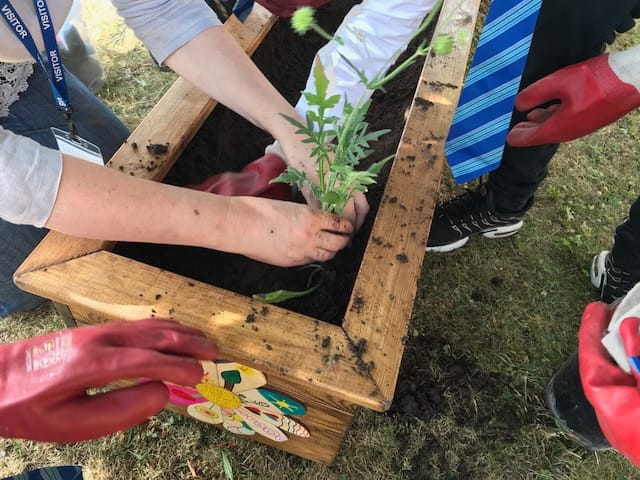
x=382, y=300
x=332, y=370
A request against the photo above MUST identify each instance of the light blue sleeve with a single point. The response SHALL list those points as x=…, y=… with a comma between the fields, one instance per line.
x=166, y=25
x=29, y=179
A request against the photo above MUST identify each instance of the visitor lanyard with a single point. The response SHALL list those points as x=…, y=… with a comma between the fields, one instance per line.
x=56, y=73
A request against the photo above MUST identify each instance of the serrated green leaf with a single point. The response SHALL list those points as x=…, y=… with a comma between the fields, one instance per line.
x=332, y=101
x=331, y=197
x=278, y=296
x=294, y=121
x=320, y=79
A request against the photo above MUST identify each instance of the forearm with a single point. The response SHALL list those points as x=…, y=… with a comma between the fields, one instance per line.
x=215, y=63
x=98, y=202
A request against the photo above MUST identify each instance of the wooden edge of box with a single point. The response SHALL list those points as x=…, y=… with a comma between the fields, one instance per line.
x=379, y=310
x=315, y=356
x=365, y=354
x=181, y=102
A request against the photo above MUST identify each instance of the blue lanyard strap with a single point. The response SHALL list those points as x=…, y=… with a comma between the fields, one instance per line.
x=56, y=72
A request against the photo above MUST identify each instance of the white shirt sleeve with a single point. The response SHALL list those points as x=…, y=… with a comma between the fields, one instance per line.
x=162, y=25
x=29, y=179
x=374, y=33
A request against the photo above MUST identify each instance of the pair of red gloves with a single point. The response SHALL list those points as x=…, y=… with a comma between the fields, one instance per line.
x=568, y=104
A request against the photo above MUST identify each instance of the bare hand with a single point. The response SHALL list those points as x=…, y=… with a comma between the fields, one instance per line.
x=287, y=234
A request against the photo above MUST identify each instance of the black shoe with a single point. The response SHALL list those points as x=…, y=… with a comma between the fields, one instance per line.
x=571, y=410
x=611, y=282
x=455, y=220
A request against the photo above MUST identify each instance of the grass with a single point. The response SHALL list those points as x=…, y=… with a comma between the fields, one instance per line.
x=507, y=310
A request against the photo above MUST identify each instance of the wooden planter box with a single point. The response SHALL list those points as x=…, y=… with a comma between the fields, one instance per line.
x=331, y=370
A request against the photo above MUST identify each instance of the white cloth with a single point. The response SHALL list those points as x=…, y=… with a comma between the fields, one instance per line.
x=29, y=179
x=626, y=65
x=374, y=34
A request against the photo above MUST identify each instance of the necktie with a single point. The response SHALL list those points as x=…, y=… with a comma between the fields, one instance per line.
x=481, y=122
x=242, y=9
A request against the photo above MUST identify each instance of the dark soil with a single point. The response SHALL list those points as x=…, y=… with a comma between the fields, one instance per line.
x=435, y=378
x=228, y=142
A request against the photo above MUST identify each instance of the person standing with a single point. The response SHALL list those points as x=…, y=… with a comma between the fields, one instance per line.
x=593, y=89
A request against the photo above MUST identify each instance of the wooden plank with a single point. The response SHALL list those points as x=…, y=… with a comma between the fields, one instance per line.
x=294, y=351
x=383, y=295
x=186, y=106
x=182, y=105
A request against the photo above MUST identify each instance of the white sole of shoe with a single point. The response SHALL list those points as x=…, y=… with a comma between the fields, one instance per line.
x=597, y=272
x=500, y=232
x=504, y=232
x=450, y=247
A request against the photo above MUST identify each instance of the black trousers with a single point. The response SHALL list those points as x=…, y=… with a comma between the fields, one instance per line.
x=567, y=32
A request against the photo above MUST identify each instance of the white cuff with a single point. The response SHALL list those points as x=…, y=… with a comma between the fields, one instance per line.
x=626, y=65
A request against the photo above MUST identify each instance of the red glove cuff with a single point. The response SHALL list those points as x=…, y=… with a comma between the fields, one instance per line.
x=286, y=8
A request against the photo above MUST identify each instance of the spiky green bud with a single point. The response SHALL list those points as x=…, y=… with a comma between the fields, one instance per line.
x=303, y=20
x=442, y=44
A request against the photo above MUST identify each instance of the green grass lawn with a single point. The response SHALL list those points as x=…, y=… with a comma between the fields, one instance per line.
x=500, y=317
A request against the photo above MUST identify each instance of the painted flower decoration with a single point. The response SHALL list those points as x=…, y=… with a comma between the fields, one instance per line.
x=230, y=394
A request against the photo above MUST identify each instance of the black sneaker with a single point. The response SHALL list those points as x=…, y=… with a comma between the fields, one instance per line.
x=573, y=414
x=611, y=282
x=455, y=220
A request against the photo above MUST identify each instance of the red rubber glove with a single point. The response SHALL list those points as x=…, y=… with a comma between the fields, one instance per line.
x=252, y=181
x=613, y=394
x=591, y=96
x=44, y=379
x=285, y=8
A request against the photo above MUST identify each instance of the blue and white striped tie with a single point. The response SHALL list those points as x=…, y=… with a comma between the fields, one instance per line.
x=242, y=9
x=481, y=122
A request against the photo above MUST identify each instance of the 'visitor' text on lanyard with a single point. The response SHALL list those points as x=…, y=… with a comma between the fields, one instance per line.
x=56, y=73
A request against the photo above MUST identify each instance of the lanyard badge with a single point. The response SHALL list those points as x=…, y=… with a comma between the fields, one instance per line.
x=55, y=74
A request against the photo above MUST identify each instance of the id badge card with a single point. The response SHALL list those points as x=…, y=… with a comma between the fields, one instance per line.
x=77, y=147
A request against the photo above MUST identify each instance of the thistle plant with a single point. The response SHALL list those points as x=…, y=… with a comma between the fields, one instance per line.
x=340, y=143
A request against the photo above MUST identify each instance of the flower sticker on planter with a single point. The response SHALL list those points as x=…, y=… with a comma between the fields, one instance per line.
x=230, y=394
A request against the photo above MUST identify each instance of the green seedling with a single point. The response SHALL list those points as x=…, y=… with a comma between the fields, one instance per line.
x=341, y=142
x=278, y=296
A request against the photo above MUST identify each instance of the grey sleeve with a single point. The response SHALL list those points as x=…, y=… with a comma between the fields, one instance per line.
x=29, y=179
x=166, y=25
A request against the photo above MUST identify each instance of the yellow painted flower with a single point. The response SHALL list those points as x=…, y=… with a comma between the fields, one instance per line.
x=230, y=394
